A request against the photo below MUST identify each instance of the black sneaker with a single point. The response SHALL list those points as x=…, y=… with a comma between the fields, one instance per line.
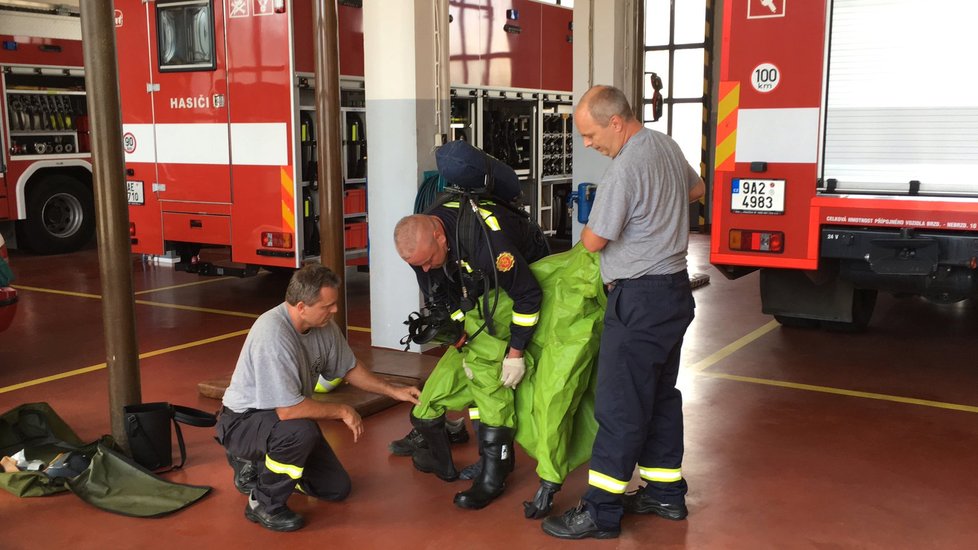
x=577, y=523
x=640, y=502
x=283, y=520
x=245, y=474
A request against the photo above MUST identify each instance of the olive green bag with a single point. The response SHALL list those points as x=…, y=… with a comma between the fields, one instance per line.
x=106, y=479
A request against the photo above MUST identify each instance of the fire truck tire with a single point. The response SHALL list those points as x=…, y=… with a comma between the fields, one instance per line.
x=60, y=215
x=863, y=304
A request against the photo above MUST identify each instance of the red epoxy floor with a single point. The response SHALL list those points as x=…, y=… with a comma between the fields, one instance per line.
x=769, y=465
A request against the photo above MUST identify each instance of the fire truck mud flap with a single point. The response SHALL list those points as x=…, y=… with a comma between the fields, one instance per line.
x=809, y=300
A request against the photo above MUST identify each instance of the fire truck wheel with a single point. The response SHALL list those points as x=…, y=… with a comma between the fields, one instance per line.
x=60, y=215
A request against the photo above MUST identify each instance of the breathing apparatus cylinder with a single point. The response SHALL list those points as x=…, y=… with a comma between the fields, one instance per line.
x=472, y=169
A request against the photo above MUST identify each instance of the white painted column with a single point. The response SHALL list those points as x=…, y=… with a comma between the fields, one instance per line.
x=404, y=42
x=605, y=42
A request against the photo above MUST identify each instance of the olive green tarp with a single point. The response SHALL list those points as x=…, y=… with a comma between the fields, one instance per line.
x=111, y=482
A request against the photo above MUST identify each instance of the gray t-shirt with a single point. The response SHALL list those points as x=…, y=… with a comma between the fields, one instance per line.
x=642, y=208
x=279, y=367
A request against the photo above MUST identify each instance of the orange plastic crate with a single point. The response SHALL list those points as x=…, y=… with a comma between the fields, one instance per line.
x=354, y=201
x=355, y=235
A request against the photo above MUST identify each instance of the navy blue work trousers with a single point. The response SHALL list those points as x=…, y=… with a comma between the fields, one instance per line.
x=289, y=454
x=637, y=405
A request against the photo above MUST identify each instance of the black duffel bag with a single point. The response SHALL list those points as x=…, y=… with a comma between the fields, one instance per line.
x=148, y=432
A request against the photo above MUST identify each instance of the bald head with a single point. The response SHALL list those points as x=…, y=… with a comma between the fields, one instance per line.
x=605, y=120
x=420, y=241
x=604, y=102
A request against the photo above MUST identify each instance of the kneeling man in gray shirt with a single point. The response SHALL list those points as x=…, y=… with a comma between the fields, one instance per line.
x=269, y=422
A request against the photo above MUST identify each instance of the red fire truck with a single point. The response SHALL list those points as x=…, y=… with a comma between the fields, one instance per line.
x=211, y=96
x=45, y=159
x=846, y=150
x=218, y=124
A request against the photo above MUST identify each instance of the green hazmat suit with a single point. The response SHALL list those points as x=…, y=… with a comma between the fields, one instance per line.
x=552, y=409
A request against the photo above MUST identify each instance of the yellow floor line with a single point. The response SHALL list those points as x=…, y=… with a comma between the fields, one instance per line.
x=143, y=302
x=164, y=304
x=198, y=309
x=714, y=358
x=838, y=391
x=195, y=283
x=61, y=292
x=101, y=366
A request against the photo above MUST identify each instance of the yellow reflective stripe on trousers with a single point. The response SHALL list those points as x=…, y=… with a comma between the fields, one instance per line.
x=473, y=413
x=458, y=315
x=526, y=319
x=607, y=483
x=662, y=475
x=294, y=472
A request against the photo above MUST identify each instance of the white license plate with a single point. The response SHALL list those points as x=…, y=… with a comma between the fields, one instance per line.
x=757, y=196
x=134, y=189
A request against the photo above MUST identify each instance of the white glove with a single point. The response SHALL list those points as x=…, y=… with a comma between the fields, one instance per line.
x=468, y=371
x=513, y=371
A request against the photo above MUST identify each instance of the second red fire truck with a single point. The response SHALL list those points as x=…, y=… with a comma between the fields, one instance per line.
x=846, y=152
x=45, y=159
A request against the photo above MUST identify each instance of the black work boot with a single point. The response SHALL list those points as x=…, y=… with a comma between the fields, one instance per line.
x=436, y=456
x=543, y=501
x=641, y=502
x=577, y=523
x=497, y=463
x=413, y=440
x=473, y=470
x=406, y=445
x=456, y=431
x=282, y=520
x=245, y=473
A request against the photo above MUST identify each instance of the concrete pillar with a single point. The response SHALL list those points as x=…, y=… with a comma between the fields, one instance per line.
x=608, y=49
x=405, y=44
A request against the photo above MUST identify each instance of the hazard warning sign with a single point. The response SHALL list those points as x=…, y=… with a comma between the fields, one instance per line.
x=763, y=9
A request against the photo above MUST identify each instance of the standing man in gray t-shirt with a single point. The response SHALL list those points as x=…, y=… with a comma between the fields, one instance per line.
x=269, y=422
x=640, y=224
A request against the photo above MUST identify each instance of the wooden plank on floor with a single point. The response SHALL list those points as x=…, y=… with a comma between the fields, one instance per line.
x=396, y=367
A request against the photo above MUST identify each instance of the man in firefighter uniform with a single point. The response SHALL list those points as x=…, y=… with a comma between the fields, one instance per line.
x=269, y=422
x=462, y=267
x=640, y=225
